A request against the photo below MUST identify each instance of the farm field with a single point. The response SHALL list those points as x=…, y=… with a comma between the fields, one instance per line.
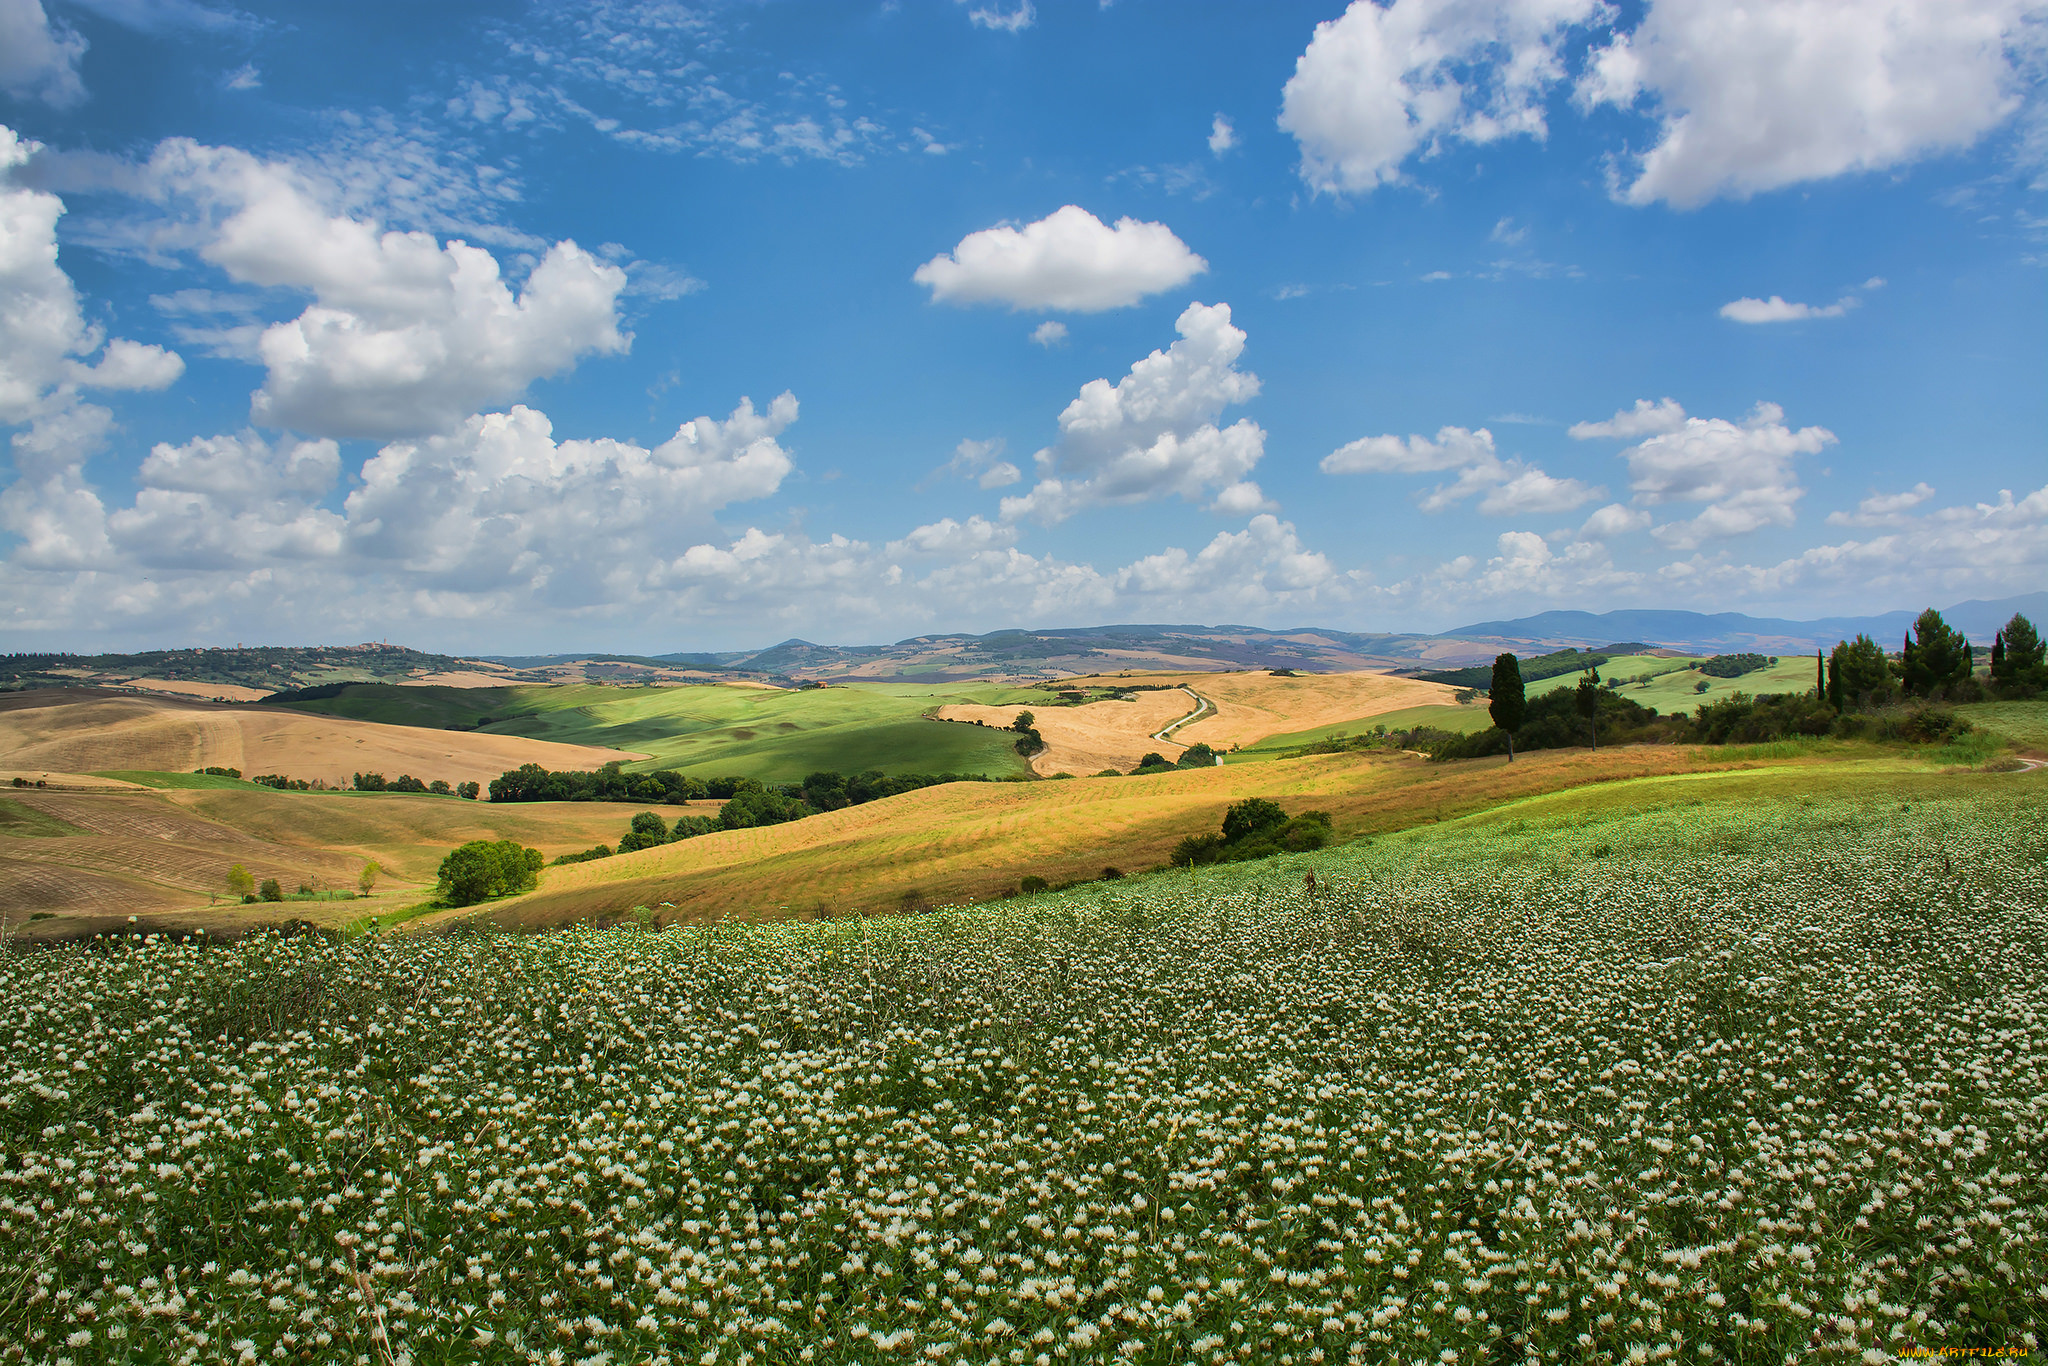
x=1247, y=707
x=75, y=863
x=1687, y=1067
x=1675, y=687
x=772, y=734
x=84, y=731
x=972, y=842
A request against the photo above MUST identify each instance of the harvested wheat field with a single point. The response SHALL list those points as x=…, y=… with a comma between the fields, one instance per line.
x=81, y=862
x=1092, y=737
x=1246, y=708
x=968, y=842
x=86, y=730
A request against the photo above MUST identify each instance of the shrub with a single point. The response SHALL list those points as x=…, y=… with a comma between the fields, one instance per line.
x=486, y=868
x=1032, y=882
x=270, y=891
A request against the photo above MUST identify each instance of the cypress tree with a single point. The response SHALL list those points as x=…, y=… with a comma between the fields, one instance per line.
x=1820, y=673
x=1507, y=702
x=1998, y=656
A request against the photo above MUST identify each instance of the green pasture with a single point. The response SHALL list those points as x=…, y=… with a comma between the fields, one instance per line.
x=17, y=819
x=178, y=781
x=2025, y=724
x=1463, y=720
x=1674, y=686
x=773, y=734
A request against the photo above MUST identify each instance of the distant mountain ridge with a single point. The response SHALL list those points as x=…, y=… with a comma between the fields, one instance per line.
x=1724, y=632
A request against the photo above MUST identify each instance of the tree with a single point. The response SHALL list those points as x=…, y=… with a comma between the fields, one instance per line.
x=1587, y=703
x=487, y=868
x=1509, y=702
x=1197, y=755
x=1858, y=674
x=2024, y=657
x=1024, y=723
x=1153, y=759
x=1820, y=673
x=366, y=881
x=1250, y=816
x=467, y=791
x=241, y=882
x=270, y=890
x=1936, y=656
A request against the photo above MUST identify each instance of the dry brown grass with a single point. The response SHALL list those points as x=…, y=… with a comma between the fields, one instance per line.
x=226, y=692
x=974, y=841
x=1087, y=739
x=82, y=730
x=1249, y=707
x=163, y=855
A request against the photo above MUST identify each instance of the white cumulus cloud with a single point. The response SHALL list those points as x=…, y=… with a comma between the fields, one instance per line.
x=1645, y=419
x=1381, y=83
x=1222, y=135
x=407, y=334
x=38, y=59
x=955, y=538
x=1741, y=471
x=1752, y=97
x=1069, y=260
x=1050, y=333
x=1884, y=509
x=1505, y=488
x=1779, y=310
x=1154, y=433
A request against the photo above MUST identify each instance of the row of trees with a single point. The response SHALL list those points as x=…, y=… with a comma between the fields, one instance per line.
x=1935, y=663
x=404, y=782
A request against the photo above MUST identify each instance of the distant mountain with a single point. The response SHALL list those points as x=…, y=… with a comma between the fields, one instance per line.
x=1724, y=632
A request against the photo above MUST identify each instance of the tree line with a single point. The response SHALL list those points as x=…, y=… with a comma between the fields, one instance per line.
x=1859, y=690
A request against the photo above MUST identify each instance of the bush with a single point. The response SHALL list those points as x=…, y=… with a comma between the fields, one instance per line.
x=689, y=827
x=1032, y=882
x=482, y=869
x=1253, y=829
x=596, y=851
x=1733, y=666
x=270, y=890
x=467, y=791
x=1197, y=755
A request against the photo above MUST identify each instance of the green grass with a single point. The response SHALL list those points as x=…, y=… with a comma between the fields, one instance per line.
x=2025, y=724
x=1696, y=1059
x=772, y=734
x=16, y=819
x=175, y=781
x=1462, y=720
x=1675, y=688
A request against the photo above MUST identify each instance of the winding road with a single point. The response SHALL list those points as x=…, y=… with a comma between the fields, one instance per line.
x=1203, y=707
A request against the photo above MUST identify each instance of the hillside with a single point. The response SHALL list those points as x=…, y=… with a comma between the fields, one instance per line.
x=973, y=841
x=90, y=731
x=74, y=862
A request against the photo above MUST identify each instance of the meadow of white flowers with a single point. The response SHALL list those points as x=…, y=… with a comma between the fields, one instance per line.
x=1703, y=1083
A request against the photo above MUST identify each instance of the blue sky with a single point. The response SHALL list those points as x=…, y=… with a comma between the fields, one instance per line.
x=652, y=326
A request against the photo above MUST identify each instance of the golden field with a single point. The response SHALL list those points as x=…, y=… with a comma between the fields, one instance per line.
x=86, y=731
x=84, y=861
x=973, y=841
x=1248, y=707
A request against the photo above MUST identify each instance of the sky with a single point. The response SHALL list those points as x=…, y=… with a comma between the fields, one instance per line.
x=644, y=326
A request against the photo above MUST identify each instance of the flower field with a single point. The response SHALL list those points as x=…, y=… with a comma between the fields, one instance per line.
x=1743, y=1082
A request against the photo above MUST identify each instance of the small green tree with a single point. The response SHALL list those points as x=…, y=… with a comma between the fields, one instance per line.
x=241, y=882
x=481, y=869
x=270, y=890
x=1024, y=722
x=1587, y=703
x=1197, y=755
x=1154, y=759
x=1508, y=703
x=2020, y=655
x=1250, y=816
x=366, y=881
x=1935, y=656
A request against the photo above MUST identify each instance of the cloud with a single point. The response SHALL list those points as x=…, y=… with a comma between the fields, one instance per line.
x=1505, y=487
x=218, y=501
x=953, y=539
x=1884, y=509
x=1507, y=233
x=1777, y=310
x=1614, y=520
x=44, y=337
x=1050, y=333
x=1645, y=419
x=1153, y=433
x=1378, y=85
x=156, y=17
x=980, y=461
x=1453, y=448
x=243, y=77
x=406, y=334
x=38, y=59
x=1742, y=472
x=1265, y=564
x=1750, y=98
x=1016, y=19
x=1222, y=135
x=1068, y=260
x=1984, y=550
